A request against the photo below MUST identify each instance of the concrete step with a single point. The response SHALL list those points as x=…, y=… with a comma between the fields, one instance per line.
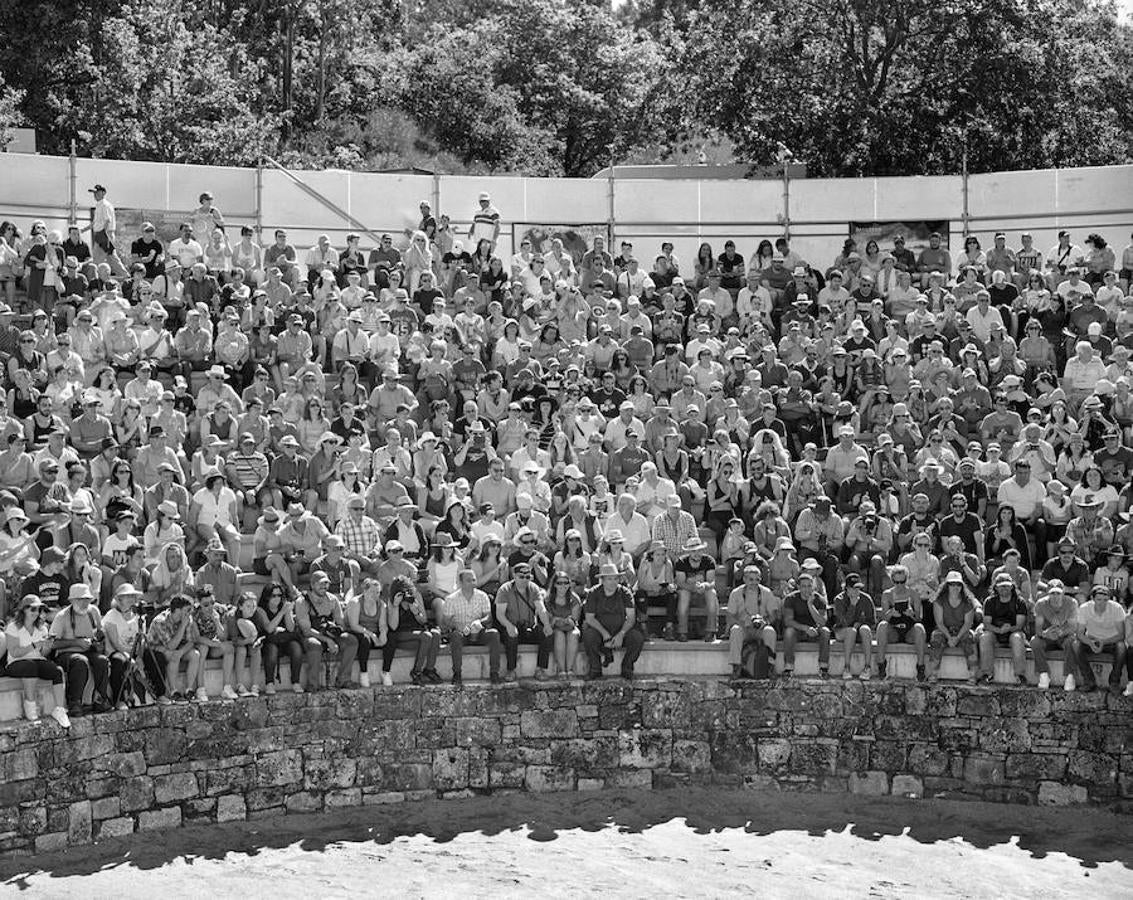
x=660, y=658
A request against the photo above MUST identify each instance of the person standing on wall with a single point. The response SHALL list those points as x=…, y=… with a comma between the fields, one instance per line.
x=104, y=224
x=485, y=222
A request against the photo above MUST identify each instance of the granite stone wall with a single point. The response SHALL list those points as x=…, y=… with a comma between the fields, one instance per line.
x=159, y=767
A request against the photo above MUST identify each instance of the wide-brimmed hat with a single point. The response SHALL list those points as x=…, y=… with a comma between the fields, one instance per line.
x=608, y=570
x=443, y=539
x=169, y=509
x=270, y=516
x=694, y=543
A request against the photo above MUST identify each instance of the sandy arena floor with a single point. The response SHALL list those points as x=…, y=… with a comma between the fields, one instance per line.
x=680, y=843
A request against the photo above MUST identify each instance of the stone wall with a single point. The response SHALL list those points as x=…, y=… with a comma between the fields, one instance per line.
x=162, y=767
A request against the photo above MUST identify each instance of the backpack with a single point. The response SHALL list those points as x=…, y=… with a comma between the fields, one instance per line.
x=755, y=659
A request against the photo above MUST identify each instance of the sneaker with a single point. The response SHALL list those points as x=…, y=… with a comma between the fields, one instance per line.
x=254, y=691
x=1044, y=681
x=31, y=711
x=120, y=706
x=1128, y=692
x=1021, y=679
x=202, y=695
x=510, y=675
x=540, y=674
x=242, y=691
x=669, y=632
x=847, y=675
x=788, y=671
x=1070, y=685
x=297, y=688
x=227, y=693
x=364, y=679
x=387, y=679
x=865, y=675
x=164, y=701
x=432, y=676
x=824, y=673
x=682, y=638
x=709, y=638
x=270, y=689
x=920, y=673
x=417, y=678
x=60, y=715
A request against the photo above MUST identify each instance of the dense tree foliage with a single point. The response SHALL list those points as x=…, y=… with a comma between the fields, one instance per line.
x=550, y=88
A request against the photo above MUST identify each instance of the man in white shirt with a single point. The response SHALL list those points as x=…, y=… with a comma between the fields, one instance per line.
x=321, y=256
x=652, y=493
x=186, y=249
x=1082, y=372
x=618, y=427
x=631, y=524
x=753, y=304
x=1022, y=493
x=104, y=225
x=721, y=299
x=983, y=316
x=1101, y=629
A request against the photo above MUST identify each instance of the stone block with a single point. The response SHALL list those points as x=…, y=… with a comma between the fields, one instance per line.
x=279, y=768
x=1004, y=736
x=32, y=820
x=407, y=776
x=450, y=769
x=870, y=783
x=691, y=756
x=137, y=794
x=382, y=798
x=637, y=779
x=165, y=745
x=735, y=753
x=343, y=798
x=548, y=723
x=853, y=755
x=907, y=786
x=92, y=747
x=591, y=784
x=1092, y=768
x=49, y=843
x=477, y=732
x=17, y=765
x=814, y=757
x=154, y=819
x=668, y=709
x=984, y=769
x=645, y=748
x=105, y=808
x=506, y=775
x=80, y=819
x=1025, y=704
x=304, y=801
x=542, y=779
x=888, y=756
x=172, y=788
x=1055, y=793
x=112, y=828
x=978, y=704
x=327, y=774
x=600, y=751
x=231, y=808
x=1036, y=766
x=225, y=781
x=125, y=765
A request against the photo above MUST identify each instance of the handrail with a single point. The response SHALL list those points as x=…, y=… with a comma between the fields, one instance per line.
x=324, y=200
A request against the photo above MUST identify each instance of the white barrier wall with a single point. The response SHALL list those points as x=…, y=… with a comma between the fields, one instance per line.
x=643, y=211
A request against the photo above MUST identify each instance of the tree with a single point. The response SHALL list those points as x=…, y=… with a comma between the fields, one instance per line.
x=10, y=115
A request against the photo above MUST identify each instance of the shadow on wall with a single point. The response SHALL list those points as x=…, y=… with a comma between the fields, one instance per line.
x=1089, y=836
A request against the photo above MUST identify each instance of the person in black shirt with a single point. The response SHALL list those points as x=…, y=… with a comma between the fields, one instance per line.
x=1004, y=617
x=696, y=579
x=608, y=397
x=149, y=252
x=610, y=616
x=961, y=523
x=75, y=245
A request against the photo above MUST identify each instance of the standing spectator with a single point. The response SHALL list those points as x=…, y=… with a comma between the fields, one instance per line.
x=104, y=227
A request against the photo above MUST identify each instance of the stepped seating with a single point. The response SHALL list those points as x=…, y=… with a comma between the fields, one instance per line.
x=660, y=658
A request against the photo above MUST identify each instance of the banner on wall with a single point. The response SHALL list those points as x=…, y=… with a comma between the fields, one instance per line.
x=166, y=222
x=915, y=233
x=577, y=239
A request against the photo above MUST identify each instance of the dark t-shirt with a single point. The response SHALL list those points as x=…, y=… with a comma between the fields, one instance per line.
x=700, y=570
x=999, y=612
x=795, y=602
x=965, y=530
x=143, y=248
x=610, y=610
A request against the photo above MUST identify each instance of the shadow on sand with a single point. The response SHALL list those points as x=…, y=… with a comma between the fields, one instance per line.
x=1089, y=836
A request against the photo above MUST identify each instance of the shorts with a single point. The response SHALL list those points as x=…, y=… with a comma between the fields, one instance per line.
x=900, y=628
x=259, y=566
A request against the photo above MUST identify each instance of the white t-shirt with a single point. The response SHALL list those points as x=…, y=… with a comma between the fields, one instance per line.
x=187, y=253
x=127, y=628
x=1109, y=624
x=214, y=509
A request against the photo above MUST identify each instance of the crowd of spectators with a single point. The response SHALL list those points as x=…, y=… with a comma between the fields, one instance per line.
x=213, y=449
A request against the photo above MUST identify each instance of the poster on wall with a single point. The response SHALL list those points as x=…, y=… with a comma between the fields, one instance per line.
x=167, y=223
x=576, y=239
x=915, y=233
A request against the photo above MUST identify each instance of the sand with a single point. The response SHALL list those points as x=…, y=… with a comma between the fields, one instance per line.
x=677, y=843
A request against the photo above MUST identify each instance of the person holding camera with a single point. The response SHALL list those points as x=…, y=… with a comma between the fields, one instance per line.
x=754, y=614
x=870, y=541
x=77, y=647
x=902, y=620
x=320, y=620
x=522, y=615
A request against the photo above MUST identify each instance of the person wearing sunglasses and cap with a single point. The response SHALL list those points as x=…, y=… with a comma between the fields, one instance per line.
x=27, y=642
